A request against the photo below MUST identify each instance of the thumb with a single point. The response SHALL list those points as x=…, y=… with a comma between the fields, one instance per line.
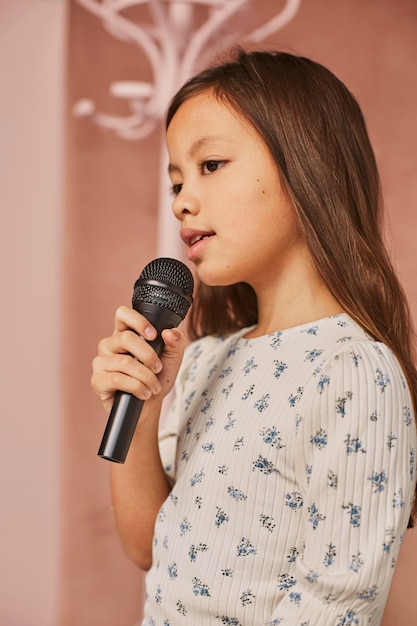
x=175, y=342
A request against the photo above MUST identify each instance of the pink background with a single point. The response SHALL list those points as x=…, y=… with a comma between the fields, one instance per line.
x=79, y=211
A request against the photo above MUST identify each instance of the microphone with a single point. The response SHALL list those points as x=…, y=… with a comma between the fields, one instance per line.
x=163, y=294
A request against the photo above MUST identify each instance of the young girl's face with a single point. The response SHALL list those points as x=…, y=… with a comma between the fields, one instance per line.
x=236, y=218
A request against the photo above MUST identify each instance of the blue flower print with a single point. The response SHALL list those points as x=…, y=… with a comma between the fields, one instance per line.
x=332, y=479
x=221, y=517
x=230, y=421
x=210, y=422
x=245, y=548
x=226, y=372
x=312, y=355
x=356, y=562
x=390, y=538
x=158, y=595
x=294, y=500
x=239, y=443
x=208, y=447
x=293, y=555
x=369, y=594
x=315, y=517
x=323, y=383
x=379, y=481
x=172, y=570
x=197, y=478
x=412, y=464
x=207, y=405
x=236, y=494
x=181, y=608
x=264, y=466
x=272, y=436
x=353, y=445
x=285, y=582
x=311, y=330
x=398, y=499
x=248, y=392
x=294, y=398
x=185, y=526
x=228, y=621
x=188, y=401
x=263, y=403
x=276, y=339
x=408, y=420
x=319, y=440
x=295, y=597
x=349, y=619
x=391, y=439
x=249, y=366
x=192, y=553
x=247, y=597
x=330, y=555
x=312, y=577
x=267, y=522
x=280, y=368
x=199, y=588
x=226, y=390
x=227, y=572
x=341, y=403
x=382, y=380
x=354, y=512
x=355, y=359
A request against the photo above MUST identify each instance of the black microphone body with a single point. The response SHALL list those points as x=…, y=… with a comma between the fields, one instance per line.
x=163, y=294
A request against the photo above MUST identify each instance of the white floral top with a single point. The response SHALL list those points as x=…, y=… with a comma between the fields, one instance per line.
x=293, y=464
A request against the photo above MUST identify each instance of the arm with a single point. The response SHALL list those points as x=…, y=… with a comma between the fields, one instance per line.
x=356, y=470
x=127, y=363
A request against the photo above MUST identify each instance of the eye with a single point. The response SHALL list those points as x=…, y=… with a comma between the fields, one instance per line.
x=210, y=166
x=176, y=189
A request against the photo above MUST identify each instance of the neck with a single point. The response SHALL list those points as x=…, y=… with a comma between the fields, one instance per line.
x=299, y=298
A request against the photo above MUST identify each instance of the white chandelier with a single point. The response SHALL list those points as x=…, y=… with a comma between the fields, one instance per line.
x=173, y=48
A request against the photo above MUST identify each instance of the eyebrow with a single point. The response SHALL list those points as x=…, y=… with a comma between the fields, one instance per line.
x=195, y=147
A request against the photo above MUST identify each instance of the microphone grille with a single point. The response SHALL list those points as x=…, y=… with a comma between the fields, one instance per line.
x=166, y=283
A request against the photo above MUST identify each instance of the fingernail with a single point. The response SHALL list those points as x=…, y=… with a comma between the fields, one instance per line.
x=157, y=367
x=149, y=332
x=147, y=393
x=157, y=388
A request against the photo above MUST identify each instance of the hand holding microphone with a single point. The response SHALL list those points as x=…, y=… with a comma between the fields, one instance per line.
x=162, y=294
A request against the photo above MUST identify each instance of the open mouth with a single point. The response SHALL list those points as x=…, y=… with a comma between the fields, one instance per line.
x=191, y=237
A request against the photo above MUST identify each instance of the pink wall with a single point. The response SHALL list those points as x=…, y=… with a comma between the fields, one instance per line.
x=31, y=131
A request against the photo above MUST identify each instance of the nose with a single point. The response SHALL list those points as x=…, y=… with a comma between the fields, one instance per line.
x=184, y=204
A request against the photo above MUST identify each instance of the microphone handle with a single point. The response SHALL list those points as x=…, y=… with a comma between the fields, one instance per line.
x=124, y=416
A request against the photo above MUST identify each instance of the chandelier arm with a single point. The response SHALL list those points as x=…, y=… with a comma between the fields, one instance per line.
x=203, y=34
x=138, y=34
x=276, y=23
x=164, y=88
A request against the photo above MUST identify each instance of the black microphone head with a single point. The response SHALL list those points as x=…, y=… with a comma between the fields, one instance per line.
x=167, y=283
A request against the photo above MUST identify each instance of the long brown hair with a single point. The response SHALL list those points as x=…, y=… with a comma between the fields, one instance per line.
x=316, y=133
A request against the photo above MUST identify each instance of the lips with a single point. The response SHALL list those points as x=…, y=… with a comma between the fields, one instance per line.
x=196, y=240
x=191, y=236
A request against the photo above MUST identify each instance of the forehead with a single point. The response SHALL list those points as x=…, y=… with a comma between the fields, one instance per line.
x=204, y=118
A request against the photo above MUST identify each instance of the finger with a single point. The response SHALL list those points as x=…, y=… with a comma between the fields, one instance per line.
x=127, y=318
x=123, y=373
x=128, y=342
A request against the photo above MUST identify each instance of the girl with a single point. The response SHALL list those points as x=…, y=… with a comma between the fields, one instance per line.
x=283, y=482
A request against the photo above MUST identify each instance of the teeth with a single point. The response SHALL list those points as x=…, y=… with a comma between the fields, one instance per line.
x=197, y=238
